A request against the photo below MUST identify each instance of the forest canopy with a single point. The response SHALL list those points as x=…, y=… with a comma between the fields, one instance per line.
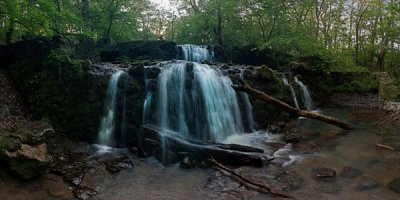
x=349, y=32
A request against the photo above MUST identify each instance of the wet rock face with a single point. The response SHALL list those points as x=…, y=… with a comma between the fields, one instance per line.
x=23, y=148
x=139, y=50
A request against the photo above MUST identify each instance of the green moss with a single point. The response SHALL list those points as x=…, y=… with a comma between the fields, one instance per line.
x=272, y=82
x=8, y=143
x=389, y=91
x=123, y=59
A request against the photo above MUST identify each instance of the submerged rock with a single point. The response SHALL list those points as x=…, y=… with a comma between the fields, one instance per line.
x=187, y=163
x=394, y=185
x=291, y=138
x=324, y=174
x=24, y=150
x=350, y=172
x=366, y=183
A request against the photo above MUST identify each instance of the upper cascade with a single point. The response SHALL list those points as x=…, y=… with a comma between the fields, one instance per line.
x=194, y=99
x=195, y=53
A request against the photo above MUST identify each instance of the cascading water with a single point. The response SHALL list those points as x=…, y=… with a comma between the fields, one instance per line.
x=195, y=53
x=196, y=100
x=107, y=125
x=247, y=105
x=286, y=82
x=306, y=97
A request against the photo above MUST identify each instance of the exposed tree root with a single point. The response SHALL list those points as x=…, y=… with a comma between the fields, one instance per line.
x=266, y=188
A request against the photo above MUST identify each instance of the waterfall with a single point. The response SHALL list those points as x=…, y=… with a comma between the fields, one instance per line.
x=195, y=53
x=107, y=125
x=306, y=97
x=286, y=82
x=196, y=100
x=247, y=106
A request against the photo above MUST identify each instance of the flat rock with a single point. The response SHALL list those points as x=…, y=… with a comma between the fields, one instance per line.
x=350, y=172
x=366, y=183
x=394, y=185
x=323, y=174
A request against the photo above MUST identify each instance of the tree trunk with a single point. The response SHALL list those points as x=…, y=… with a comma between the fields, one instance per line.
x=10, y=32
x=382, y=52
x=303, y=113
x=85, y=15
x=219, y=28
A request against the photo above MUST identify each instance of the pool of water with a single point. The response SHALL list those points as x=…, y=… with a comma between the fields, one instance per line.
x=356, y=148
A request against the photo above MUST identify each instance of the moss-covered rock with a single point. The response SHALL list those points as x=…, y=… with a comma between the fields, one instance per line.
x=269, y=81
x=139, y=50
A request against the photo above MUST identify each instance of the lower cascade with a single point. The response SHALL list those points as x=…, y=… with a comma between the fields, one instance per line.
x=248, y=106
x=306, y=97
x=195, y=100
x=293, y=93
x=108, y=121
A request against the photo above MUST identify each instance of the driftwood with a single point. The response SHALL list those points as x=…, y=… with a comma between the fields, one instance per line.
x=268, y=189
x=384, y=146
x=303, y=113
x=235, y=155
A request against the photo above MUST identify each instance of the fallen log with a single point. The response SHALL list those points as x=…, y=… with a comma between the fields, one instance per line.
x=234, y=155
x=303, y=113
x=268, y=189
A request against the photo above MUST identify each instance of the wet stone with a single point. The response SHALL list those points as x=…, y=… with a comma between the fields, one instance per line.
x=290, y=181
x=394, y=185
x=323, y=174
x=125, y=165
x=84, y=192
x=281, y=124
x=112, y=167
x=366, y=183
x=74, y=178
x=291, y=138
x=274, y=128
x=350, y=172
x=187, y=163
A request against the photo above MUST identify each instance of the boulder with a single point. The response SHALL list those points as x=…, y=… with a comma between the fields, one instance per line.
x=24, y=149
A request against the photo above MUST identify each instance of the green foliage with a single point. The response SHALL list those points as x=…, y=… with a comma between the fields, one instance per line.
x=358, y=85
x=120, y=20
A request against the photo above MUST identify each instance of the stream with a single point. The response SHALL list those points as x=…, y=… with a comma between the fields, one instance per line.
x=369, y=169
